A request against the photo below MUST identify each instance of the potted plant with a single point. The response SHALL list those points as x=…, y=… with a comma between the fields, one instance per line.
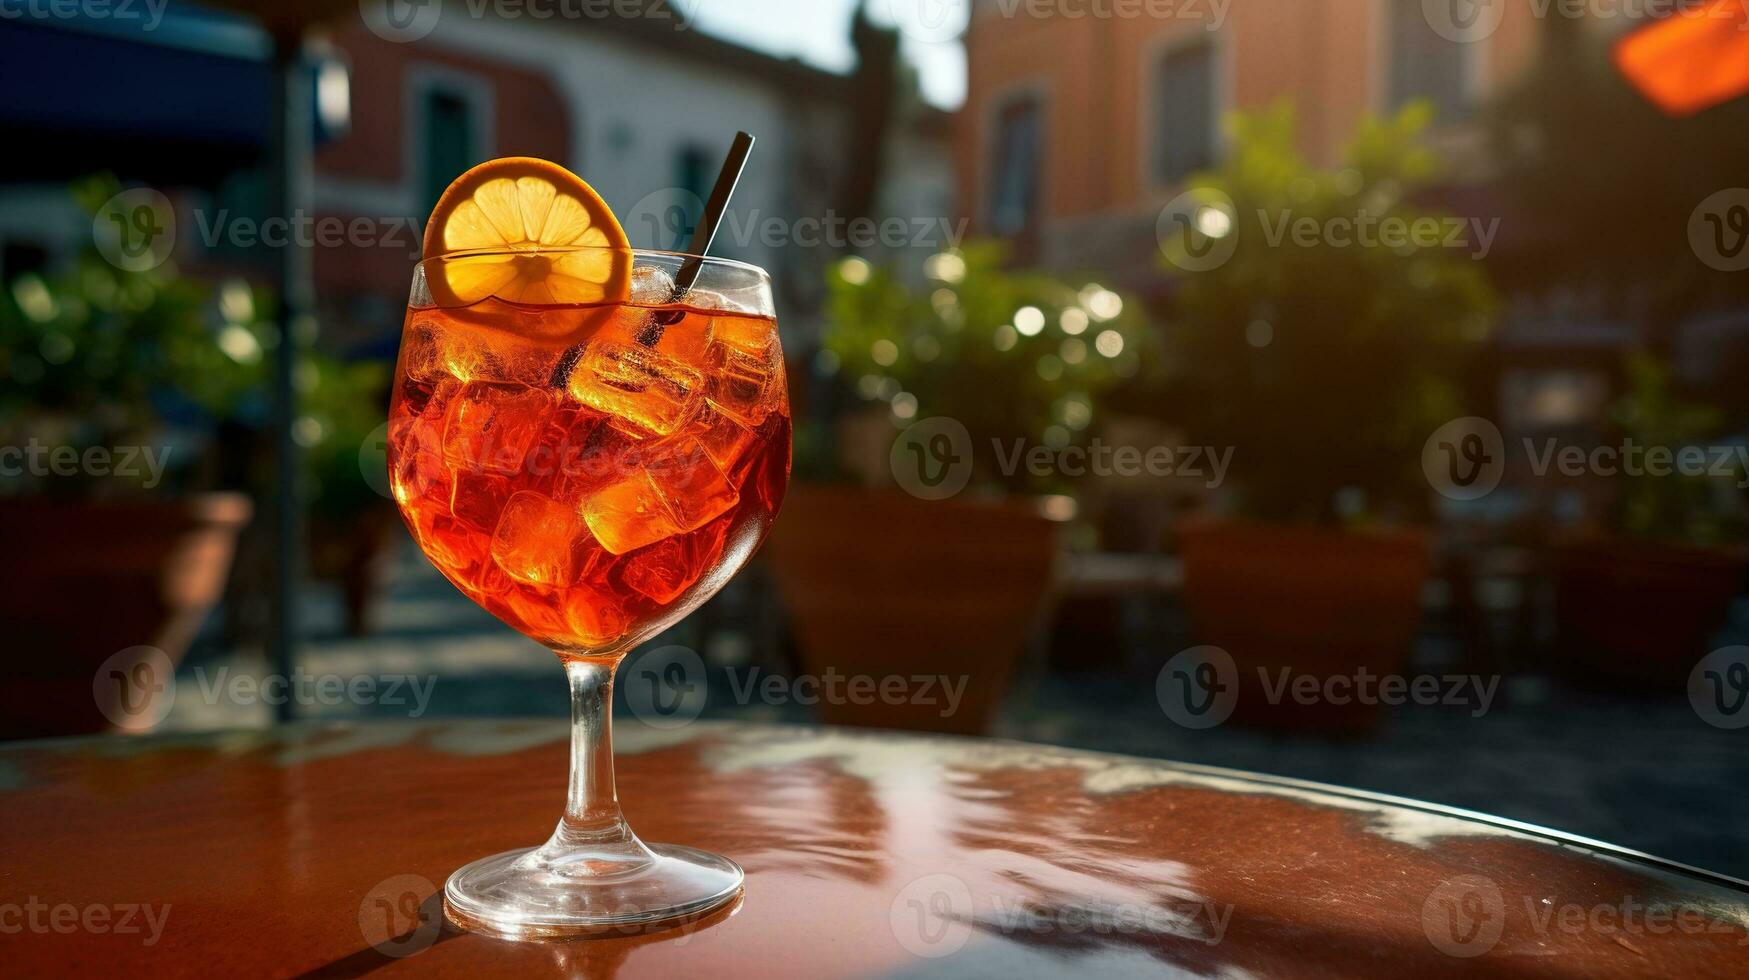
x=351, y=523
x=114, y=380
x=1637, y=600
x=1323, y=360
x=889, y=574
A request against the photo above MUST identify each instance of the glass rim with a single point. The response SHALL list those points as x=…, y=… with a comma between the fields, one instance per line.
x=508, y=250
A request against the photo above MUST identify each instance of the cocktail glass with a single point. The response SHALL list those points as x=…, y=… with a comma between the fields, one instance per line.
x=590, y=474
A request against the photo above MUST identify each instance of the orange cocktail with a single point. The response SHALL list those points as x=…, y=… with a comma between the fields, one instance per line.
x=589, y=441
x=577, y=470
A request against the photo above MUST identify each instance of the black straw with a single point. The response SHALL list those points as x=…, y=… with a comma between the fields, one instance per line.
x=703, y=235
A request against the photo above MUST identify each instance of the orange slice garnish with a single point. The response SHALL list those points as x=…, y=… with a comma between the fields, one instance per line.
x=539, y=234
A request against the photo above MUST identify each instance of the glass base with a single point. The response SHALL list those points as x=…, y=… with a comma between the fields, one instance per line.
x=527, y=894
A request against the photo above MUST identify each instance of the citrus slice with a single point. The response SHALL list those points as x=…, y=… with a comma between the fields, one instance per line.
x=537, y=233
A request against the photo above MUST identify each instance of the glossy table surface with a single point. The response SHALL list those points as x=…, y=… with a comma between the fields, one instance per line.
x=317, y=850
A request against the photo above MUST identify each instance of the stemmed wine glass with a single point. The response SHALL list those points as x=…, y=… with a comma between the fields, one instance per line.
x=590, y=473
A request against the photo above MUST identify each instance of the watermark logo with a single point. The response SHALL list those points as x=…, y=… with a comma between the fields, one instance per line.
x=401, y=916
x=1718, y=230
x=929, y=21
x=148, y=13
x=135, y=688
x=400, y=21
x=135, y=231
x=1198, y=230
x=36, y=458
x=665, y=687
x=121, y=919
x=1718, y=688
x=1198, y=688
x=932, y=458
x=1465, y=916
x=1465, y=458
x=666, y=218
x=1464, y=21
x=932, y=916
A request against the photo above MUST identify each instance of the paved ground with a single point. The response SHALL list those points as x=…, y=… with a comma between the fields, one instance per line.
x=1644, y=774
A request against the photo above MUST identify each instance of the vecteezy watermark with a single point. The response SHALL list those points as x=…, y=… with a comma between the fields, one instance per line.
x=939, y=691
x=933, y=459
x=1718, y=688
x=1718, y=230
x=938, y=21
x=33, y=915
x=1206, y=463
x=1465, y=458
x=1465, y=916
x=135, y=230
x=147, y=13
x=934, y=916
x=303, y=230
x=1200, y=688
x=35, y=458
x=1199, y=230
x=1467, y=21
x=667, y=687
x=668, y=217
x=403, y=21
x=401, y=916
x=135, y=688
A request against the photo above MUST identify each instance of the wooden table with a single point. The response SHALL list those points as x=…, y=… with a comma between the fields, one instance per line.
x=317, y=850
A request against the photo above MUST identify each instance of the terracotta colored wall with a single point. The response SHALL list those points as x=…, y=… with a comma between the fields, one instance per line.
x=1095, y=76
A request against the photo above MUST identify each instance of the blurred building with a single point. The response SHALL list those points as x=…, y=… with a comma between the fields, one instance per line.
x=1078, y=130
x=632, y=98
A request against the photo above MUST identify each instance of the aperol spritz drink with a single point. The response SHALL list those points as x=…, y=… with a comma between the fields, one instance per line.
x=572, y=479
x=589, y=441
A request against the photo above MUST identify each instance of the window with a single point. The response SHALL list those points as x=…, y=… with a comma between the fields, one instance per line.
x=1425, y=65
x=692, y=174
x=1186, y=100
x=450, y=140
x=1015, y=169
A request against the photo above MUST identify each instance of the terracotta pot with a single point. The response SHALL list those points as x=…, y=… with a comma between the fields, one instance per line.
x=882, y=585
x=1311, y=601
x=94, y=578
x=356, y=555
x=1637, y=614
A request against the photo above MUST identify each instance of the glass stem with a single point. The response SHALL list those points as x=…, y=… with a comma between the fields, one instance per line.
x=593, y=837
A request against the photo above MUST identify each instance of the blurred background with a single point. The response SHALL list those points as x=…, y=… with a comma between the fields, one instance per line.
x=1344, y=389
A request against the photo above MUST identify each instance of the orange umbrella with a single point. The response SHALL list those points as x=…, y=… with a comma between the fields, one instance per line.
x=1691, y=60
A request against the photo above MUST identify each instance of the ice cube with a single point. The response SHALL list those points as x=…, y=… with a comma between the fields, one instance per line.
x=666, y=569
x=478, y=498
x=692, y=485
x=746, y=384
x=595, y=617
x=628, y=514
x=416, y=453
x=533, y=540
x=460, y=553
x=677, y=492
x=489, y=428
x=662, y=571
x=644, y=388
x=722, y=438
x=746, y=333
x=652, y=285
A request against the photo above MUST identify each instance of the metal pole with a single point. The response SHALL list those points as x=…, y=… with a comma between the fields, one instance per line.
x=289, y=169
